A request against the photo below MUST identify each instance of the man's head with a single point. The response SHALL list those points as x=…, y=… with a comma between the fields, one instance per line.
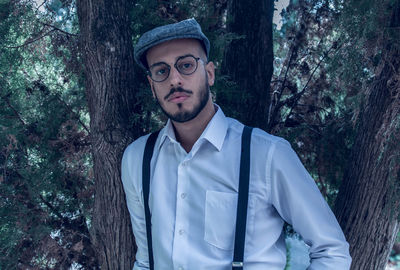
x=184, y=29
x=175, y=57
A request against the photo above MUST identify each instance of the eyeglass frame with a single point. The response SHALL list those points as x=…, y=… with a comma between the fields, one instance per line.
x=148, y=72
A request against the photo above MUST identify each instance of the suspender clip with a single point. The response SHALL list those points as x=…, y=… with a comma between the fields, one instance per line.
x=237, y=264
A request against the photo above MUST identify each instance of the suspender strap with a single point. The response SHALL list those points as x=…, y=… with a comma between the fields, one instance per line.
x=241, y=214
x=148, y=153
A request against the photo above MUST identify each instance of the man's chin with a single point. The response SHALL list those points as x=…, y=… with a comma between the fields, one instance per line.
x=182, y=117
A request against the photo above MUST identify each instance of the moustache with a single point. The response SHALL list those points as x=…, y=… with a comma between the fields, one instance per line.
x=179, y=89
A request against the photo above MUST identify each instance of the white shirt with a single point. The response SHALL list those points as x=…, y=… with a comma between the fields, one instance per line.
x=193, y=200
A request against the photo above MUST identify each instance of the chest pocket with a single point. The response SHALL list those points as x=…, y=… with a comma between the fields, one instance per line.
x=220, y=219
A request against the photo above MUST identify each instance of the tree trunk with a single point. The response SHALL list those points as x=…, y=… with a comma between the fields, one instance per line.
x=367, y=205
x=248, y=61
x=107, y=52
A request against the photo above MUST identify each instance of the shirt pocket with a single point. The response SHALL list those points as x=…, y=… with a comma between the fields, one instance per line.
x=220, y=219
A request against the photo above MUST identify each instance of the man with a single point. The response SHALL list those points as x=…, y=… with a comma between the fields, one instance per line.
x=195, y=174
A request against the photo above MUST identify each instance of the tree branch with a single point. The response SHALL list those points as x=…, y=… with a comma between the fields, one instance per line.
x=5, y=98
x=271, y=116
x=298, y=95
x=27, y=42
x=51, y=207
x=286, y=73
x=74, y=113
x=59, y=29
x=44, y=2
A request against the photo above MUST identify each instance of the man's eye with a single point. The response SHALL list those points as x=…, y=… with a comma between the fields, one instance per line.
x=160, y=71
x=187, y=65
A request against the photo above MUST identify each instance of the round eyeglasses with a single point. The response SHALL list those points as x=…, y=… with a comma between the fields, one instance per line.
x=185, y=65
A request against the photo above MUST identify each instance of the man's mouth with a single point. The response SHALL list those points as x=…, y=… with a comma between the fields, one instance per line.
x=178, y=97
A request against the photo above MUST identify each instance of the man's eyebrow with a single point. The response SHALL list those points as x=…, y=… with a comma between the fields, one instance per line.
x=183, y=56
x=176, y=59
x=157, y=64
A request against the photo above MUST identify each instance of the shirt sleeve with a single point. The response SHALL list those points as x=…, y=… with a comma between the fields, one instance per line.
x=297, y=199
x=130, y=179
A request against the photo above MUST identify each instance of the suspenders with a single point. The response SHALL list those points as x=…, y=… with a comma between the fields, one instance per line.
x=148, y=153
x=241, y=214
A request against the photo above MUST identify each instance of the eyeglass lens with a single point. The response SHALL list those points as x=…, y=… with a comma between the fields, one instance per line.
x=185, y=65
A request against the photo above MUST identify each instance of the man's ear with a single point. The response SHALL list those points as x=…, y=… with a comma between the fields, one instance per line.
x=151, y=86
x=210, y=69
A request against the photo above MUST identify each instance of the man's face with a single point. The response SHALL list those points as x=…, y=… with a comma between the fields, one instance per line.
x=181, y=97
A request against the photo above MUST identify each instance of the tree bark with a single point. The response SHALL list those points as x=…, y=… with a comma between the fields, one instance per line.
x=367, y=206
x=248, y=61
x=107, y=52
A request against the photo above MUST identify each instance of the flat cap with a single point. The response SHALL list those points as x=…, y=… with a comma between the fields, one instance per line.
x=184, y=29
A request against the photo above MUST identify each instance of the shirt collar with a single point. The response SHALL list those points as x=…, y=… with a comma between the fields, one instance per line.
x=215, y=131
x=167, y=132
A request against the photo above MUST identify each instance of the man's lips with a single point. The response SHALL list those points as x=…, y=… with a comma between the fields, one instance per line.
x=178, y=93
x=178, y=97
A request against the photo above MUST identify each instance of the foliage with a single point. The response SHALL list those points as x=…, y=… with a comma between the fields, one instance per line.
x=310, y=107
x=45, y=182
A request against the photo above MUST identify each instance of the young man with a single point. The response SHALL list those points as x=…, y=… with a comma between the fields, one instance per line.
x=195, y=174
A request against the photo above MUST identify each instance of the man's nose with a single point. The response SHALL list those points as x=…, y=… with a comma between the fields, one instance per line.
x=175, y=78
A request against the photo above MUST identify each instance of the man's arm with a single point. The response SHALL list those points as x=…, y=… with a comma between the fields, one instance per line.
x=296, y=197
x=131, y=177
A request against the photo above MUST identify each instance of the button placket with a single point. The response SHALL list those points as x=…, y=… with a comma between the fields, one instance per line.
x=181, y=204
x=180, y=239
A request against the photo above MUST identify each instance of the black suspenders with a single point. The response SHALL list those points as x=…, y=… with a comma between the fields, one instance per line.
x=148, y=153
x=241, y=214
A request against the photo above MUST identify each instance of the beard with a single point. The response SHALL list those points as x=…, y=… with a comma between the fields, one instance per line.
x=185, y=116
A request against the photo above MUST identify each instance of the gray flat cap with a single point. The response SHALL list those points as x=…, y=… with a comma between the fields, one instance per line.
x=183, y=29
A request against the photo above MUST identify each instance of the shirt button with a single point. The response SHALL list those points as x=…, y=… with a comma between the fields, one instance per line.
x=183, y=195
x=181, y=232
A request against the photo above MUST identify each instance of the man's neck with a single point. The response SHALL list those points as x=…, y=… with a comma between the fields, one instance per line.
x=188, y=132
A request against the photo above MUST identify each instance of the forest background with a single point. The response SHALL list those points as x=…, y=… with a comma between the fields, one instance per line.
x=326, y=77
